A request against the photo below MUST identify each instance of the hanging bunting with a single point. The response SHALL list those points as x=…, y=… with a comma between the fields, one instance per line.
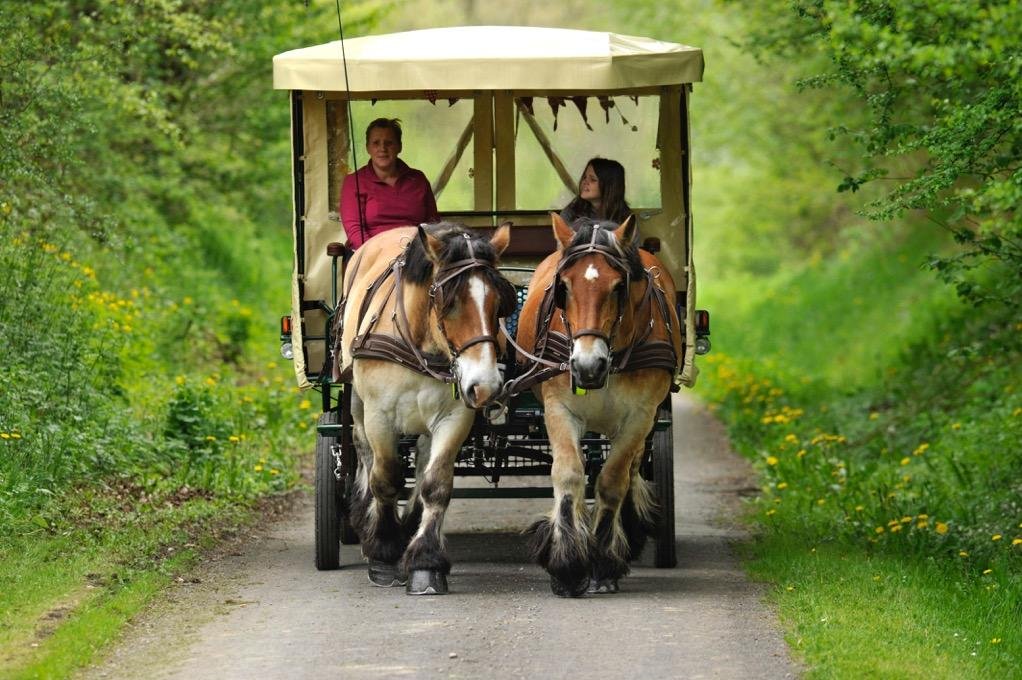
x=606, y=103
x=581, y=104
x=555, y=104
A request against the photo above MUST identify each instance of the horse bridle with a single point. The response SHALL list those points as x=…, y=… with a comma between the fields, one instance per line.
x=437, y=303
x=616, y=261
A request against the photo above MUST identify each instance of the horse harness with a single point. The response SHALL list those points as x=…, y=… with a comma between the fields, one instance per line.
x=553, y=348
x=401, y=349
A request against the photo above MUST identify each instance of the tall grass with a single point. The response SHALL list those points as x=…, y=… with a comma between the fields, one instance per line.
x=886, y=420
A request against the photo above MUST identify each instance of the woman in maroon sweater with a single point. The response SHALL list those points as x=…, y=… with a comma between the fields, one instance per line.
x=391, y=194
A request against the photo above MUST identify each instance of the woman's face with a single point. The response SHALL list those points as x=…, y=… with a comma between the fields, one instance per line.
x=383, y=149
x=589, y=187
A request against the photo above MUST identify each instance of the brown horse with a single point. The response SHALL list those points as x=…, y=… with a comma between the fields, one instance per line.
x=608, y=341
x=419, y=337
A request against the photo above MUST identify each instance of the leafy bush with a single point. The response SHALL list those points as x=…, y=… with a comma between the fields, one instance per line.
x=940, y=81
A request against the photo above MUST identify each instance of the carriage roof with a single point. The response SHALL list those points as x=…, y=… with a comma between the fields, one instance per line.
x=489, y=58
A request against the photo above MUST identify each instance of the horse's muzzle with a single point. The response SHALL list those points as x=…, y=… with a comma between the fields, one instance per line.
x=590, y=375
x=480, y=394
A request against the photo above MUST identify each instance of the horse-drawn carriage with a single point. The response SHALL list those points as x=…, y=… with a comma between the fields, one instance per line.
x=501, y=119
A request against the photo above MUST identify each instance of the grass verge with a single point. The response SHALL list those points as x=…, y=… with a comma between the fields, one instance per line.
x=65, y=596
x=889, y=443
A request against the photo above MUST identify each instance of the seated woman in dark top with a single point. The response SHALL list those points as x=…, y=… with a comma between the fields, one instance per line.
x=601, y=193
x=391, y=193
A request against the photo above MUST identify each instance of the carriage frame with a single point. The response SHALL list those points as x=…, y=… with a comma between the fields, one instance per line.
x=524, y=64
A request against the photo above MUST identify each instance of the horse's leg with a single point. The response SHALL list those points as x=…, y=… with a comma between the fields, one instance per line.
x=413, y=511
x=374, y=508
x=617, y=534
x=561, y=543
x=639, y=510
x=425, y=560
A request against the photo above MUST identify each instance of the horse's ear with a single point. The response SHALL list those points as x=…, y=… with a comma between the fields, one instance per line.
x=625, y=234
x=501, y=238
x=562, y=232
x=431, y=244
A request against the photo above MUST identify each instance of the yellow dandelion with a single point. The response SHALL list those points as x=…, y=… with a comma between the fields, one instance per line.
x=963, y=553
x=921, y=449
x=941, y=528
x=880, y=530
x=996, y=537
x=274, y=471
x=15, y=435
x=258, y=468
x=923, y=515
x=801, y=453
x=305, y=404
x=790, y=588
x=1017, y=412
x=1016, y=541
x=821, y=501
x=4, y=435
x=896, y=528
x=187, y=300
x=770, y=512
x=906, y=460
x=859, y=508
x=210, y=381
x=782, y=485
x=922, y=524
x=233, y=439
x=995, y=641
x=874, y=415
x=791, y=438
x=772, y=460
x=987, y=571
x=956, y=426
x=210, y=438
x=302, y=425
x=906, y=519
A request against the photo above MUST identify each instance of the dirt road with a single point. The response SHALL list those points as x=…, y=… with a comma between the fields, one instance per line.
x=265, y=612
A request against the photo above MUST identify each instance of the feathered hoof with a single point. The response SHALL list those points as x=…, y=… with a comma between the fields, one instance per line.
x=385, y=574
x=426, y=582
x=563, y=589
x=602, y=586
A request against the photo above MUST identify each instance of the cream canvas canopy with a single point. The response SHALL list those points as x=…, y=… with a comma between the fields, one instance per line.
x=496, y=72
x=489, y=58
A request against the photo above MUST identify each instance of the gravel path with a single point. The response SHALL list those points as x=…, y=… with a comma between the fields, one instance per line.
x=263, y=611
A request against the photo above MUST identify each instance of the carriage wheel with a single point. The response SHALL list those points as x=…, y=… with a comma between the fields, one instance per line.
x=328, y=500
x=665, y=556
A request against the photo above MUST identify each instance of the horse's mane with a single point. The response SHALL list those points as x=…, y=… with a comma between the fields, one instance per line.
x=584, y=227
x=419, y=267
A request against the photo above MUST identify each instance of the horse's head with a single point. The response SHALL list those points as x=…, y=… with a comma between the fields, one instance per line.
x=591, y=287
x=467, y=296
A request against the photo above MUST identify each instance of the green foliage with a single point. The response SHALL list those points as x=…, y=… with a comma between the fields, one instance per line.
x=942, y=83
x=144, y=213
x=895, y=440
